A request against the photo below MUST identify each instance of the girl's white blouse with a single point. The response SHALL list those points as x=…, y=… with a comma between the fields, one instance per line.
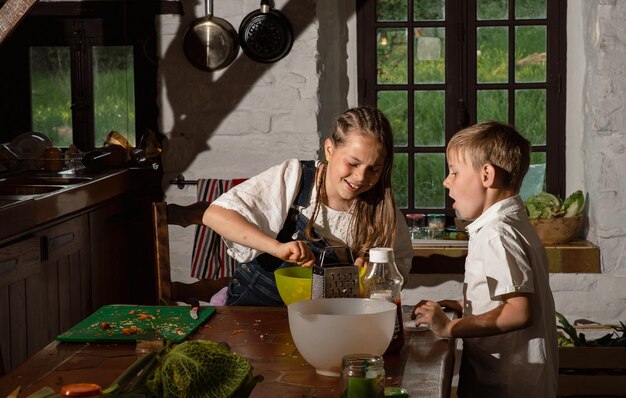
x=265, y=199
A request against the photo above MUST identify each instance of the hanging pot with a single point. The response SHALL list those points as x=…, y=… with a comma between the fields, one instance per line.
x=210, y=43
x=265, y=34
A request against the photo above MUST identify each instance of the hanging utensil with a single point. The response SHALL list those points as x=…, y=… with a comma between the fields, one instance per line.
x=210, y=43
x=265, y=34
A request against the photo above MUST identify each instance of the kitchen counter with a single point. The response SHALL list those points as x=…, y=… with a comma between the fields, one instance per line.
x=69, y=246
x=20, y=214
x=424, y=366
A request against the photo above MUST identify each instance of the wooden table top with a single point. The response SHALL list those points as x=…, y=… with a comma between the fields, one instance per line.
x=424, y=366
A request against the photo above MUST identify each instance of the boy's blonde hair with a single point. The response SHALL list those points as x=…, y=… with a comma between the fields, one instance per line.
x=493, y=143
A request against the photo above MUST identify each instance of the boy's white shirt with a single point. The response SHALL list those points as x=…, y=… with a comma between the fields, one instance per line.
x=505, y=255
x=265, y=199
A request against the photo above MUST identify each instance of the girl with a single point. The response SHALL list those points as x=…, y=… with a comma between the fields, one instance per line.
x=289, y=213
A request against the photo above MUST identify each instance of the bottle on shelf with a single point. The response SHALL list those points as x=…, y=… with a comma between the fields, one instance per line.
x=382, y=280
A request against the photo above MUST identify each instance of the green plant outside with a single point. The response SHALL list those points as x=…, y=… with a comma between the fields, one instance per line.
x=51, y=94
x=492, y=65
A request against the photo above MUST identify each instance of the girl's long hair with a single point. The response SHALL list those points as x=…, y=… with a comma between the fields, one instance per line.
x=374, y=212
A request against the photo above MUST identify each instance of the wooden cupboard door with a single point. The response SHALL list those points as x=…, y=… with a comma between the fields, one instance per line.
x=65, y=252
x=22, y=301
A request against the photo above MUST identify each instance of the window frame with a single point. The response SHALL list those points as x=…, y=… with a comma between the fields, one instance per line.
x=460, y=90
x=80, y=26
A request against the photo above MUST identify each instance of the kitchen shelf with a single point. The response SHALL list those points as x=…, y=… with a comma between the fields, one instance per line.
x=577, y=256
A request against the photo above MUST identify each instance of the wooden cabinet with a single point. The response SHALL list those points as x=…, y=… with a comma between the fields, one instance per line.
x=122, y=252
x=45, y=285
x=65, y=258
x=57, y=276
x=110, y=245
x=93, y=247
x=22, y=283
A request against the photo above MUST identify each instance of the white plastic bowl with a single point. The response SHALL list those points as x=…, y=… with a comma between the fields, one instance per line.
x=326, y=330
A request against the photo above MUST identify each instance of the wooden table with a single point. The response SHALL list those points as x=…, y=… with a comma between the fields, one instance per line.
x=424, y=366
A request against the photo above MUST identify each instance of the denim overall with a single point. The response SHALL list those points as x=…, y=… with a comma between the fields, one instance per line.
x=253, y=283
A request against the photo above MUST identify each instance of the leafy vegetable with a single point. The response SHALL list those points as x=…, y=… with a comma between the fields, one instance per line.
x=547, y=205
x=574, y=204
x=139, y=369
x=202, y=368
x=570, y=337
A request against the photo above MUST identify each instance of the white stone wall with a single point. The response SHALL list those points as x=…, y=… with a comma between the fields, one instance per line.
x=239, y=121
x=243, y=119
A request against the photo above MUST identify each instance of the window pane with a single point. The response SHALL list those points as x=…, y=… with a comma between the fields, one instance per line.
x=530, y=115
x=492, y=54
x=391, y=10
x=530, y=53
x=428, y=184
x=527, y=9
x=535, y=179
x=394, y=105
x=51, y=93
x=114, y=92
x=430, y=61
x=399, y=180
x=429, y=118
x=391, y=62
x=492, y=105
x=492, y=9
x=429, y=10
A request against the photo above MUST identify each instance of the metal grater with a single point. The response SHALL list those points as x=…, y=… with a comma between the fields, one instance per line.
x=333, y=278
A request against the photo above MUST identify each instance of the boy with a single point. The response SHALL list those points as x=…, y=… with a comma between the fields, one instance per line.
x=508, y=322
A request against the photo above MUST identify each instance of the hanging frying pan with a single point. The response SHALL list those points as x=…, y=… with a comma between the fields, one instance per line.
x=265, y=34
x=210, y=43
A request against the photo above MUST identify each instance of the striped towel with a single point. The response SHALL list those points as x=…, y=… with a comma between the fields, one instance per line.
x=210, y=260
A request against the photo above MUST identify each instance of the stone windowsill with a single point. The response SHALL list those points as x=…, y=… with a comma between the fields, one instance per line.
x=578, y=256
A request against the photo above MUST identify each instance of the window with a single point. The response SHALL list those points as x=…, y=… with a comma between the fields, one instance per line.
x=80, y=70
x=436, y=66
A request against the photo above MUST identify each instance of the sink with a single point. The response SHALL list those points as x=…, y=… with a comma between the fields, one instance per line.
x=43, y=180
x=22, y=190
x=31, y=185
x=6, y=202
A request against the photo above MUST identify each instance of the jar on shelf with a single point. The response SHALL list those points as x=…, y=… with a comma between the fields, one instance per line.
x=415, y=222
x=437, y=224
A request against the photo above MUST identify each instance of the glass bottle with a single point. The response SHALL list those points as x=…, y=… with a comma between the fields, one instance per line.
x=382, y=280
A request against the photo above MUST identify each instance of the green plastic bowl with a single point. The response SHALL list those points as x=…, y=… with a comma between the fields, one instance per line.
x=294, y=283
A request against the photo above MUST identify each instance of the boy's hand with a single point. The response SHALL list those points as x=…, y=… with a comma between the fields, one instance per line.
x=430, y=313
x=297, y=252
x=452, y=305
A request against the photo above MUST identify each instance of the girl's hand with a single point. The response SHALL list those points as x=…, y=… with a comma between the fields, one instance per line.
x=297, y=252
x=430, y=313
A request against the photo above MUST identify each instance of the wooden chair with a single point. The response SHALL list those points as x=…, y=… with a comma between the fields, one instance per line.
x=169, y=292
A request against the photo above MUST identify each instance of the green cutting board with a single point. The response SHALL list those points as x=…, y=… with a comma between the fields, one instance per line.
x=171, y=323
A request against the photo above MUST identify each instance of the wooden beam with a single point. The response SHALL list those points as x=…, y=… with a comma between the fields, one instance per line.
x=11, y=14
